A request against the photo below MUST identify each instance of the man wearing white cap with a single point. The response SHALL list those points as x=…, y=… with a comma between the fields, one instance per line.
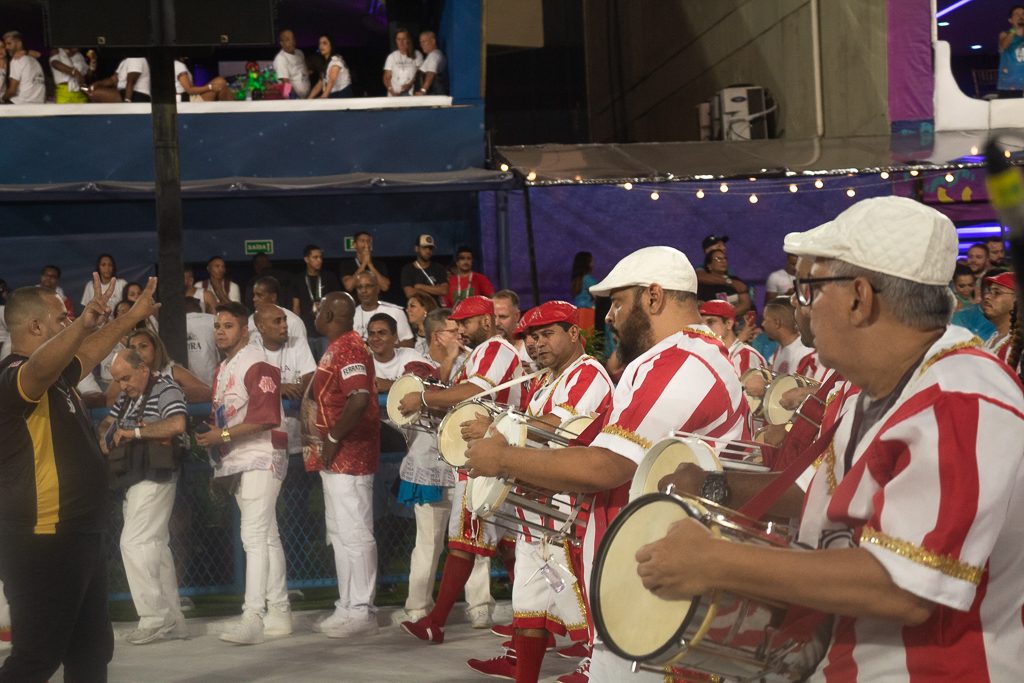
x=677, y=378
x=916, y=517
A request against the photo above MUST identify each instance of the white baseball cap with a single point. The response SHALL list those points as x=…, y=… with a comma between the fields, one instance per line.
x=664, y=266
x=891, y=235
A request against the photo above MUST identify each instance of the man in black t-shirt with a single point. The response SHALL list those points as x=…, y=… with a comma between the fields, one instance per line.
x=53, y=485
x=422, y=275
x=308, y=289
x=363, y=263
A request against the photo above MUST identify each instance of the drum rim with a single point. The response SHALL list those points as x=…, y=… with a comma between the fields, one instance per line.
x=596, y=573
x=497, y=504
x=444, y=423
x=388, y=403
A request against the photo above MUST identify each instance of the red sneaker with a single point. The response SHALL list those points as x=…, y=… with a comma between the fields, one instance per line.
x=424, y=629
x=502, y=630
x=575, y=651
x=499, y=667
x=580, y=675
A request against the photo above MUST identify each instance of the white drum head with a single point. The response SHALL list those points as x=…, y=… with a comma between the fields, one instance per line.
x=450, y=443
x=663, y=459
x=751, y=377
x=512, y=429
x=630, y=619
x=575, y=426
x=774, y=413
x=406, y=384
x=484, y=495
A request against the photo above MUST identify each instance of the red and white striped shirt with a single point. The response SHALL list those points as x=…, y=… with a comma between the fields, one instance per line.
x=583, y=388
x=936, y=494
x=745, y=357
x=494, y=362
x=683, y=383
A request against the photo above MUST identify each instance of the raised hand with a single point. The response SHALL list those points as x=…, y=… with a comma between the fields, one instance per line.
x=97, y=311
x=146, y=304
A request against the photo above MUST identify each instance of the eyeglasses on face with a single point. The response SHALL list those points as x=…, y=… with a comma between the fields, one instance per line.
x=804, y=288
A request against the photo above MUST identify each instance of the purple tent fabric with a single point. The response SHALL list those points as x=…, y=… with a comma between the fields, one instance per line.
x=611, y=222
x=911, y=83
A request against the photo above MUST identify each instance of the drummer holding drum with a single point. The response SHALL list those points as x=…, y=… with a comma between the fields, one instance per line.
x=678, y=378
x=493, y=362
x=916, y=517
x=546, y=595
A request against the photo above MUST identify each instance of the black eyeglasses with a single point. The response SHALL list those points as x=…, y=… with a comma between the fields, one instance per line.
x=804, y=288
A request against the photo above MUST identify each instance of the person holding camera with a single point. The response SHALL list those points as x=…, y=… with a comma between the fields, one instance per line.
x=146, y=420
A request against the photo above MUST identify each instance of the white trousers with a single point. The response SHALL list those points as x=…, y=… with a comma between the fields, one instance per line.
x=5, y=609
x=348, y=501
x=146, y=554
x=265, y=581
x=431, y=535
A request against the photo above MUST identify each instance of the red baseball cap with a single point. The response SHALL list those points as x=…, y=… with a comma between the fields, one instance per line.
x=1006, y=279
x=472, y=306
x=719, y=308
x=524, y=323
x=551, y=312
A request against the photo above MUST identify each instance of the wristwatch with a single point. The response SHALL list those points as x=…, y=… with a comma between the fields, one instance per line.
x=225, y=435
x=715, y=488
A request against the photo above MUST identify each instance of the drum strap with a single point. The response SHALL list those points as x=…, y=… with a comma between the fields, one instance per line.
x=510, y=383
x=766, y=497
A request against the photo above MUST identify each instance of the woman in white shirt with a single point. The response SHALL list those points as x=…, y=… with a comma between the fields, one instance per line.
x=216, y=89
x=336, y=80
x=401, y=66
x=107, y=269
x=218, y=289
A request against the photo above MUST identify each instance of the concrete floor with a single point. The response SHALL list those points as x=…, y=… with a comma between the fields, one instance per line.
x=392, y=655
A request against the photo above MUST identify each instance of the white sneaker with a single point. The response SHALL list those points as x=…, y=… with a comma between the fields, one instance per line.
x=246, y=631
x=145, y=636
x=357, y=625
x=479, y=616
x=278, y=621
x=333, y=620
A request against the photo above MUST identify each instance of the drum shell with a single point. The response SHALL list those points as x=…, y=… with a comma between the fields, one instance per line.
x=722, y=633
x=665, y=456
x=771, y=406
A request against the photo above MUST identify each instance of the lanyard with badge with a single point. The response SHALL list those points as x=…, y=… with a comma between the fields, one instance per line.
x=315, y=300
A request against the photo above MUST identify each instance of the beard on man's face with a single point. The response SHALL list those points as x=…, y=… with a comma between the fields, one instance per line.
x=635, y=336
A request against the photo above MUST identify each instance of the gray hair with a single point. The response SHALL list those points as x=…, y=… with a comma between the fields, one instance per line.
x=916, y=305
x=435, y=321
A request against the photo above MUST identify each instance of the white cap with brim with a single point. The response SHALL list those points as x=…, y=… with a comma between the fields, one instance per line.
x=891, y=235
x=663, y=266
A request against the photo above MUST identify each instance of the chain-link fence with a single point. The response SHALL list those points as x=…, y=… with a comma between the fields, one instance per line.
x=207, y=548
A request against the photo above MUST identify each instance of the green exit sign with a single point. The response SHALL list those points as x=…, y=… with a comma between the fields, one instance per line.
x=253, y=247
x=350, y=243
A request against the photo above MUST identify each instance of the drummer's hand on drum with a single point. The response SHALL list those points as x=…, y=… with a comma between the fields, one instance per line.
x=476, y=428
x=483, y=457
x=687, y=478
x=673, y=568
x=792, y=399
x=410, y=403
x=754, y=386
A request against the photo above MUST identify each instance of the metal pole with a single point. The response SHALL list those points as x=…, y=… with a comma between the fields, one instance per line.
x=504, y=251
x=529, y=242
x=167, y=187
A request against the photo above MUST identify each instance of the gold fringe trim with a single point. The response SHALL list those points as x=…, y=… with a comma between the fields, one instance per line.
x=974, y=342
x=616, y=430
x=944, y=563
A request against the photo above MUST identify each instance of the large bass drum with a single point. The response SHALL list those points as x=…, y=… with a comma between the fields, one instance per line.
x=721, y=633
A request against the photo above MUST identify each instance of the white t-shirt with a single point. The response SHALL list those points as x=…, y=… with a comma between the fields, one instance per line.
x=5, y=336
x=362, y=319
x=134, y=65
x=434, y=63
x=296, y=329
x=75, y=61
x=343, y=80
x=292, y=68
x=234, y=293
x=779, y=282
x=31, y=82
x=88, y=293
x=294, y=360
x=403, y=69
x=203, y=357
x=180, y=68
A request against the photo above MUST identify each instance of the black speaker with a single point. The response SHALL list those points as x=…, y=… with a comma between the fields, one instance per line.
x=129, y=23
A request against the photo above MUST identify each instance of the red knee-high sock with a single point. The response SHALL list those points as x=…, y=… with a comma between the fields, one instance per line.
x=453, y=580
x=508, y=558
x=529, y=656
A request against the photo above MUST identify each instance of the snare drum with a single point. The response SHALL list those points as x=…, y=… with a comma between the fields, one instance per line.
x=774, y=413
x=404, y=385
x=759, y=379
x=720, y=633
x=665, y=456
x=450, y=443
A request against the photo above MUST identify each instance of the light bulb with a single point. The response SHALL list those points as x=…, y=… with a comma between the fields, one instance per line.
x=723, y=187
x=753, y=199
x=655, y=196
x=531, y=176
x=504, y=168
x=884, y=175
x=851, y=192
x=700, y=194
x=819, y=184
x=949, y=178
x=793, y=187
x=627, y=186
x=914, y=172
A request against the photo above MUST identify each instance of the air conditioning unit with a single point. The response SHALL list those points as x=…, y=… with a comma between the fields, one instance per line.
x=742, y=112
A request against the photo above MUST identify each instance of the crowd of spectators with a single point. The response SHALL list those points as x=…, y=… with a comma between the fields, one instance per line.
x=74, y=77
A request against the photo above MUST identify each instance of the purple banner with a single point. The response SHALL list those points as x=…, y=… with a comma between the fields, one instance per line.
x=911, y=79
